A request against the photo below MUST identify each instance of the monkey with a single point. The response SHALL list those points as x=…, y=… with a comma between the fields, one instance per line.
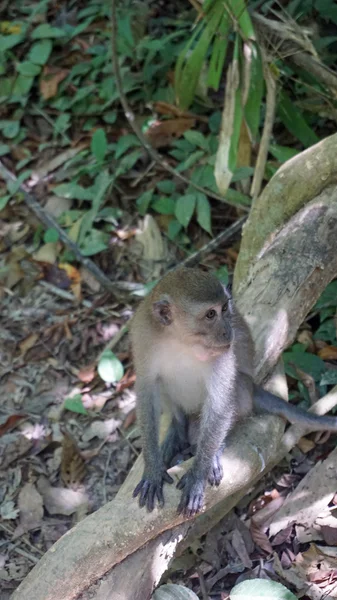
x=193, y=355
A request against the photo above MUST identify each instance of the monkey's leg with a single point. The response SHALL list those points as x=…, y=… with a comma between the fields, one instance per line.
x=150, y=486
x=176, y=438
x=215, y=425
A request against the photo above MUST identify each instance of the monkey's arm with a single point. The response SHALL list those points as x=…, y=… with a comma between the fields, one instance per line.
x=217, y=418
x=264, y=401
x=155, y=474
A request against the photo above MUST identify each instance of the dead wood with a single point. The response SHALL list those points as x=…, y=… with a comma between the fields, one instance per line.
x=129, y=548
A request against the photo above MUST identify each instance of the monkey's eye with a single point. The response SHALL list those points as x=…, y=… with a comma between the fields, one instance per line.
x=224, y=308
x=211, y=314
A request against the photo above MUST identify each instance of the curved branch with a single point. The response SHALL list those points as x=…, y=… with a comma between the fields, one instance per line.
x=297, y=182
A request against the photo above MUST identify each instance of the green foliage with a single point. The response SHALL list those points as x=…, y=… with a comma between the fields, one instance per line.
x=110, y=368
x=261, y=588
x=75, y=404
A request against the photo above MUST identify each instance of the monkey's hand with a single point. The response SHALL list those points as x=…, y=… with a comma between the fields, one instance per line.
x=216, y=473
x=192, y=497
x=151, y=487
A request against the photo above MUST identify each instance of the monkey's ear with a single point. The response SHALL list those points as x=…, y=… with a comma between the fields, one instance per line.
x=162, y=311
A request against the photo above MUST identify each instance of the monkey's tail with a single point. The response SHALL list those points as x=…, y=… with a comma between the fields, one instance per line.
x=264, y=401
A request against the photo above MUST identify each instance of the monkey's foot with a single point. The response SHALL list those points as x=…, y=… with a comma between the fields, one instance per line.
x=151, y=487
x=216, y=472
x=192, y=497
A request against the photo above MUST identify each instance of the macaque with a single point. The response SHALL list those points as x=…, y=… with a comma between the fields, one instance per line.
x=194, y=355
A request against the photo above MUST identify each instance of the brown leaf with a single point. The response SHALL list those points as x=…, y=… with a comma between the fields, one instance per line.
x=10, y=423
x=130, y=419
x=87, y=374
x=127, y=381
x=72, y=464
x=31, y=509
x=28, y=342
x=328, y=353
x=260, y=538
x=329, y=534
x=161, y=133
x=49, y=82
x=283, y=536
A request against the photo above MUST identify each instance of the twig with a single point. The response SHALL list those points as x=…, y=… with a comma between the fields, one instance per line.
x=49, y=221
x=224, y=236
x=267, y=128
x=202, y=585
x=133, y=124
x=323, y=73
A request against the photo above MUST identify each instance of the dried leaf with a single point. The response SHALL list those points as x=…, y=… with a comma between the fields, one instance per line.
x=87, y=374
x=10, y=423
x=328, y=353
x=31, y=509
x=28, y=342
x=62, y=501
x=130, y=419
x=72, y=464
x=260, y=538
x=51, y=77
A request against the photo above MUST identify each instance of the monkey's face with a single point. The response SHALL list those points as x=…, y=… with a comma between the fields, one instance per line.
x=205, y=327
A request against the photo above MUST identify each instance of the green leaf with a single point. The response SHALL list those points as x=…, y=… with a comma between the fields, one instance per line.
x=27, y=68
x=164, y=205
x=93, y=242
x=329, y=377
x=99, y=145
x=125, y=143
x=326, y=331
x=222, y=274
x=166, y=186
x=252, y=109
x=4, y=201
x=46, y=31
x=4, y=149
x=328, y=297
x=73, y=191
x=128, y=162
x=75, y=404
x=219, y=52
x=51, y=235
x=110, y=368
x=204, y=212
x=22, y=85
x=184, y=208
x=40, y=52
x=173, y=591
x=261, y=588
x=191, y=160
x=309, y=363
x=293, y=119
x=197, y=139
x=98, y=190
x=174, y=229
x=144, y=201
x=282, y=153
x=9, y=41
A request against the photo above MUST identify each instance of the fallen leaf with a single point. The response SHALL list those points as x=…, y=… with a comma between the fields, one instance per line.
x=46, y=253
x=130, y=419
x=101, y=429
x=328, y=353
x=305, y=445
x=49, y=82
x=260, y=538
x=87, y=374
x=31, y=509
x=62, y=501
x=161, y=133
x=240, y=548
x=28, y=342
x=72, y=464
x=10, y=423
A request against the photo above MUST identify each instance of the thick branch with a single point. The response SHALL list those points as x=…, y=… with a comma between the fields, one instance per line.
x=297, y=182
